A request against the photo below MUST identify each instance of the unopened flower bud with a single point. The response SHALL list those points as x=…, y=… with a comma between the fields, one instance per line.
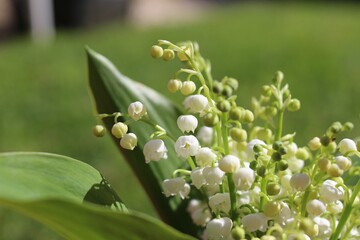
x=136, y=110
x=156, y=51
x=174, y=85
x=331, y=148
x=347, y=145
x=229, y=163
x=238, y=134
x=309, y=227
x=314, y=144
x=315, y=207
x=336, y=127
x=271, y=111
x=227, y=91
x=154, y=150
x=119, y=129
x=223, y=106
x=325, y=140
x=188, y=87
x=232, y=82
x=343, y=162
x=302, y=153
x=196, y=103
x=99, y=131
x=266, y=90
x=278, y=78
x=128, y=141
x=272, y=209
x=187, y=123
x=282, y=165
x=210, y=119
x=238, y=233
x=264, y=134
x=183, y=55
x=272, y=189
x=334, y=170
x=168, y=54
x=300, y=181
x=294, y=105
x=324, y=164
x=276, y=156
x=247, y=117
x=217, y=87
x=348, y=126
x=261, y=171
x=236, y=113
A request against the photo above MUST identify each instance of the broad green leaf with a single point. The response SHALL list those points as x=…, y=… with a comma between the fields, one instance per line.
x=113, y=92
x=36, y=176
x=84, y=221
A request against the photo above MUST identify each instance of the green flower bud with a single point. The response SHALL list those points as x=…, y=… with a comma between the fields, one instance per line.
x=323, y=164
x=238, y=134
x=188, y=87
x=282, y=165
x=334, y=170
x=231, y=82
x=217, y=87
x=227, y=91
x=253, y=164
x=325, y=140
x=247, y=117
x=282, y=150
x=238, y=233
x=156, y=51
x=276, y=156
x=223, y=105
x=168, y=55
x=257, y=148
x=174, y=85
x=302, y=153
x=99, y=131
x=309, y=227
x=266, y=90
x=261, y=171
x=270, y=111
x=276, y=145
x=210, y=119
x=236, y=113
x=278, y=78
x=348, y=126
x=294, y=105
x=286, y=94
x=336, y=127
x=273, y=189
x=331, y=147
x=264, y=134
x=182, y=54
x=119, y=129
x=272, y=209
x=314, y=144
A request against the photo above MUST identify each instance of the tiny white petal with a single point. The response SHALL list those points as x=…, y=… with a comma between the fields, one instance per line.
x=136, y=110
x=187, y=123
x=186, y=146
x=154, y=150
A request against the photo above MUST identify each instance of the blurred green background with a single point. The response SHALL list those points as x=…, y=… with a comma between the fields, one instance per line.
x=46, y=106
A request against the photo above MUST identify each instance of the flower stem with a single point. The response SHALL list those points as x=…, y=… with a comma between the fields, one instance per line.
x=263, y=189
x=279, y=125
x=346, y=213
x=232, y=191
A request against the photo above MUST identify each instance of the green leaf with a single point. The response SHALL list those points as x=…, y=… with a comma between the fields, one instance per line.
x=113, y=92
x=77, y=222
x=36, y=176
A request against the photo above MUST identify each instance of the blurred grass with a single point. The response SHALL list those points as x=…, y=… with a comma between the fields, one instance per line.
x=45, y=103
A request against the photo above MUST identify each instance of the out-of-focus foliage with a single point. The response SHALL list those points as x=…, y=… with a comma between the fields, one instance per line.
x=45, y=105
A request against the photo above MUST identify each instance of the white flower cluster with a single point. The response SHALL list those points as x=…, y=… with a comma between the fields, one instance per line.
x=254, y=181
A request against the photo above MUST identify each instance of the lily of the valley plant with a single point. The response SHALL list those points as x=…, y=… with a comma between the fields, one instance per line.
x=213, y=168
x=243, y=178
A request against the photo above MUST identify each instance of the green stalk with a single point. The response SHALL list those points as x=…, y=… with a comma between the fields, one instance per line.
x=304, y=202
x=232, y=191
x=263, y=190
x=224, y=133
x=346, y=213
x=279, y=125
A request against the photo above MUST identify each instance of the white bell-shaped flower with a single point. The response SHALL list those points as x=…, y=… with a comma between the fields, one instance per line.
x=329, y=192
x=229, y=163
x=315, y=207
x=196, y=103
x=194, y=204
x=154, y=150
x=128, y=141
x=205, y=135
x=219, y=228
x=285, y=216
x=300, y=181
x=346, y=145
x=119, y=129
x=324, y=227
x=220, y=202
x=295, y=165
x=187, y=123
x=197, y=178
x=205, y=157
x=335, y=207
x=136, y=110
x=201, y=217
x=185, y=191
x=186, y=146
x=255, y=221
x=296, y=236
x=343, y=162
x=173, y=186
x=244, y=178
x=291, y=150
x=213, y=175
